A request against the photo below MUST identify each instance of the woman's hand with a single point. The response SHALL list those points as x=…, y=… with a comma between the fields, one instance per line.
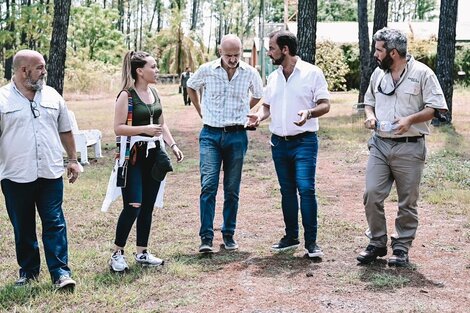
x=177, y=152
x=153, y=130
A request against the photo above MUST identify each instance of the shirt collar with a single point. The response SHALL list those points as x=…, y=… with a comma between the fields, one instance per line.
x=15, y=88
x=218, y=63
x=298, y=65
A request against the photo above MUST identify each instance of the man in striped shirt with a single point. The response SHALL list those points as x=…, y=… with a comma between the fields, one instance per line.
x=229, y=88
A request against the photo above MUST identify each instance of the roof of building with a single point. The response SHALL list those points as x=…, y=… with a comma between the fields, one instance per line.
x=347, y=32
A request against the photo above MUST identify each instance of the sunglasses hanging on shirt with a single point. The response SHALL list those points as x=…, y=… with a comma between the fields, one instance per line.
x=379, y=88
x=34, y=109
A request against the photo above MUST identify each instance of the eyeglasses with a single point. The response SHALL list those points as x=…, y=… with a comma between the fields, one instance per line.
x=34, y=109
x=379, y=88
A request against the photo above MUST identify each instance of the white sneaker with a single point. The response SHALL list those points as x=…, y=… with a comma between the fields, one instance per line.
x=147, y=259
x=65, y=282
x=118, y=263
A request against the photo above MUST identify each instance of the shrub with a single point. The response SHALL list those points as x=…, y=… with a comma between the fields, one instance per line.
x=330, y=58
x=424, y=51
x=462, y=61
x=351, y=57
x=85, y=76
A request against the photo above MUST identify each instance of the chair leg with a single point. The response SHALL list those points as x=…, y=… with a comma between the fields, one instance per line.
x=84, y=156
x=97, y=147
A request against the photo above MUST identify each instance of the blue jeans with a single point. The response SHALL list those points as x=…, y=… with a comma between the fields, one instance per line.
x=21, y=200
x=295, y=162
x=140, y=188
x=216, y=148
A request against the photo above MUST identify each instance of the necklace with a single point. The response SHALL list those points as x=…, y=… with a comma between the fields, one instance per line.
x=151, y=111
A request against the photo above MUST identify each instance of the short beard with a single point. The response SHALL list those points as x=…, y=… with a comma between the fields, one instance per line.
x=278, y=61
x=34, y=85
x=386, y=63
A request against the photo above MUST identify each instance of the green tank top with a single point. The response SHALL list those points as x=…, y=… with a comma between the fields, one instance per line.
x=142, y=111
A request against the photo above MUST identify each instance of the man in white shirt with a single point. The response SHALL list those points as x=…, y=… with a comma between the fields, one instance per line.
x=34, y=125
x=230, y=87
x=296, y=95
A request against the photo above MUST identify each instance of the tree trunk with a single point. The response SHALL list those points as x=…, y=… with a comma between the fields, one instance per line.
x=307, y=29
x=364, y=53
x=10, y=17
x=136, y=29
x=195, y=15
x=129, y=20
x=57, y=52
x=120, y=7
x=159, y=16
x=155, y=8
x=179, y=65
x=446, y=50
x=141, y=23
x=24, y=36
x=380, y=21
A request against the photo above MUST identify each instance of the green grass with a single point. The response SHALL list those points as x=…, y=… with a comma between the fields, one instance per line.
x=388, y=281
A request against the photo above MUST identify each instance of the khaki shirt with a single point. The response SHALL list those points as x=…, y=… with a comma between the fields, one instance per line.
x=30, y=148
x=417, y=89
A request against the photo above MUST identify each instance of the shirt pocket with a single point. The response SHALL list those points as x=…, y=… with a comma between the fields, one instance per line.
x=50, y=109
x=412, y=90
x=13, y=117
x=413, y=98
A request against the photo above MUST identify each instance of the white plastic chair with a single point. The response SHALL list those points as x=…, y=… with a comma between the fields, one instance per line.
x=85, y=139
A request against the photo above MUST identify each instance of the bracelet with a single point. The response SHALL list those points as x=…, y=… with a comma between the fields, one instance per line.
x=73, y=161
x=171, y=147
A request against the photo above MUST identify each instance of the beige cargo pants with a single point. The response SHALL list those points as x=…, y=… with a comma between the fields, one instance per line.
x=402, y=163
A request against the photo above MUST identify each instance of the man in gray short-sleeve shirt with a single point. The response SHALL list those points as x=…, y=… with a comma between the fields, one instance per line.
x=34, y=125
x=402, y=98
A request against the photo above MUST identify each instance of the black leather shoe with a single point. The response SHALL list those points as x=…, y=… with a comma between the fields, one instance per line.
x=399, y=258
x=371, y=253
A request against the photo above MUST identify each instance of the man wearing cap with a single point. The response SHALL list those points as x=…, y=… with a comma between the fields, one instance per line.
x=34, y=125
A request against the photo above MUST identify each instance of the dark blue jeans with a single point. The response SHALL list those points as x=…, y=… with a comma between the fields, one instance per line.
x=295, y=162
x=21, y=200
x=216, y=148
x=140, y=188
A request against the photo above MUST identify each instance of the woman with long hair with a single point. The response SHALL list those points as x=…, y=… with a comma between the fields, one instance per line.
x=147, y=125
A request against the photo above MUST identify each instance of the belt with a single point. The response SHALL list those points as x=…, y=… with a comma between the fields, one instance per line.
x=294, y=137
x=404, y=139
x=227, y=129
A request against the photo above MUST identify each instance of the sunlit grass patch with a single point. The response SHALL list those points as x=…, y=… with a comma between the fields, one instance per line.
x=388, y=281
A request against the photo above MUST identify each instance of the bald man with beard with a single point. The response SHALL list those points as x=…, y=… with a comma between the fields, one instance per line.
x=34, y=125
x=229, y=89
